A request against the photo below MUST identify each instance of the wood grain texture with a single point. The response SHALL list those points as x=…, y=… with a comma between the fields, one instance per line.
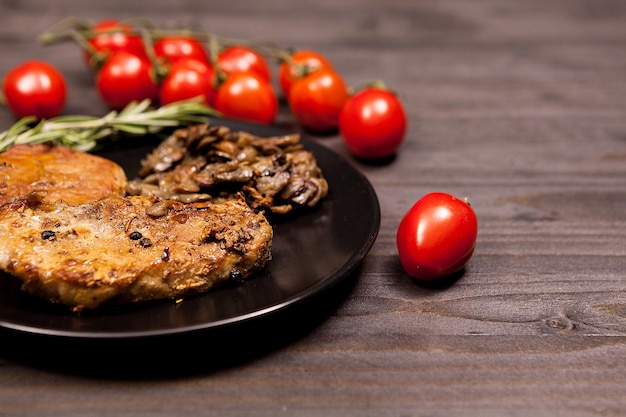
x=521, y=107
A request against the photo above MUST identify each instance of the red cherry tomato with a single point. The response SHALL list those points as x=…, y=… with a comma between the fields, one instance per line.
x=437, y=236
x=186, y=79
x=110, y=36
x=173, y=48
x=316, y=100
x=248, y=97
x=35, y=88
x=237, y=58
x=301, y=63
x=373, y=123
x=125, y=77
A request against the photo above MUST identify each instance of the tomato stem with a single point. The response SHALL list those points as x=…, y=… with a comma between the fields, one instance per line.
x=159, y=69
x=79, y=31
x=214, y=47
x=64, y=30
x=379, y=84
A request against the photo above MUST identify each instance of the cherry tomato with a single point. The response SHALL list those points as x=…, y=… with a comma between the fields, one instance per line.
x=247, y=96
x=437, y=236
x=301, y=63
x=316, y=99
x=237, y=58
x=35, y=88
x=373, y=123
x=173, y=48
x=186, y=79
x=126, y=77
x=110, y=36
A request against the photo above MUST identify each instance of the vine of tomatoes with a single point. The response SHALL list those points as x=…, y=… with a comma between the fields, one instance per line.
x=135, y=60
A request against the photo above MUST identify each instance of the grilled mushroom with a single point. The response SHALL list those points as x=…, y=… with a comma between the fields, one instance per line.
x=205, y=162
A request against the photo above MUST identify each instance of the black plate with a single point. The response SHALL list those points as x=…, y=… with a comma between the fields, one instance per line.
x=310, y=253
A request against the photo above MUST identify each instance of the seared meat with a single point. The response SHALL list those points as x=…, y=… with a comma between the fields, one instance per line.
x=50, y=173
x=120, y=250
x=204, y=162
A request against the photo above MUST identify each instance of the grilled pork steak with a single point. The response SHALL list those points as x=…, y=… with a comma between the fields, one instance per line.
x=120, y=250
x=50, y=173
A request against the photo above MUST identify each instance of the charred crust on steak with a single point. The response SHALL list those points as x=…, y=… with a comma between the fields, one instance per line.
x=212, y=163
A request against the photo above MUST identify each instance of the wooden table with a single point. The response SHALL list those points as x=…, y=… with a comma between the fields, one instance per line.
x=520, y=106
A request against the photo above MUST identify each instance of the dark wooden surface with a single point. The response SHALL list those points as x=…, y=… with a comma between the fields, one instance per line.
x=518, y=105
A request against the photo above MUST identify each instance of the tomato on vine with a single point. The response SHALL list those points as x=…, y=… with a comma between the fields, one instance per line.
x=172, y=48
x=373, y=123
x=299, y=64
x=239, y=58
x=124, y=78
x=437, y=236
x=108, y=37
x=35, y=88
x=247, y=96
x=317, y=99
x=186, y=79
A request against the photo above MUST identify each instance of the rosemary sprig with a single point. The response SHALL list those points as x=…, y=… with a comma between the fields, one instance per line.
x=83, y=132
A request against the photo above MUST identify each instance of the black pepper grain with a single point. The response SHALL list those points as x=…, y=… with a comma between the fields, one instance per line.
x=135, y=236
x=235, y=277
x=48, y=235
x=145, y=242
